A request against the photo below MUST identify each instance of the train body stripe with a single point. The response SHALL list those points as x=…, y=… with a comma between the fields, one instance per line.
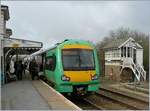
x=74, y=46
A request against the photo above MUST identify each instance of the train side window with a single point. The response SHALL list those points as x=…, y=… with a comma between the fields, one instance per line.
x=51, y=63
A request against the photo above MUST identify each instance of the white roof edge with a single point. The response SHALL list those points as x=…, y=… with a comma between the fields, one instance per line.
x=139, y=45
x=130, y=38
x=42, y=50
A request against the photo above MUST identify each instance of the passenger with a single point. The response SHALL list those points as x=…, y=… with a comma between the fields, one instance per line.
x=15, y=66
x=40, y=73
x=18, y=69
x=33, y=67
x=30, y=68
x=24, y=68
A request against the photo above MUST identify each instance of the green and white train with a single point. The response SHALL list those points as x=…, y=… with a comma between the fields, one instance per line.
x=71, y=66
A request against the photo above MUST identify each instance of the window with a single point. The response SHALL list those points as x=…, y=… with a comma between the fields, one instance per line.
x=51, y=63
x=124, y=51
x=121, y=51
x=129, y=52
x=78, y=59
x=115, y=53
x=118, y=53
x=107, y=54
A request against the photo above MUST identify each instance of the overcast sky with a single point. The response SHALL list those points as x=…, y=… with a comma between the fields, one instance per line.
x=53, y=21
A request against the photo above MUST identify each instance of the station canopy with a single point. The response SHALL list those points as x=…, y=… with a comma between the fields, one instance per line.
x=14, y=46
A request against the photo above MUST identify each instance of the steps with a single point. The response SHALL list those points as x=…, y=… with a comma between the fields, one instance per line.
x=137, y=69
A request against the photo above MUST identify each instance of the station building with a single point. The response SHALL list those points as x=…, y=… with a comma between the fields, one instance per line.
x=10, y=47
x=3, y=19
x=3, y=32
x=124, y=60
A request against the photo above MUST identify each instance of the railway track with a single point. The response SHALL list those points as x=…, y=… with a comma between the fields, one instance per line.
x=96, y=102
x=111, y=100
x=79, y=101
x=83, y=103
x=105, y=103
x=106, y=99
x=123, y=99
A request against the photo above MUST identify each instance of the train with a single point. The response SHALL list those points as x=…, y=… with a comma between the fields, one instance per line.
x=71, y=66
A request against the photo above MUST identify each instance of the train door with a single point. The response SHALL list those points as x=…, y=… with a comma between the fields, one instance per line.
x=44, y=62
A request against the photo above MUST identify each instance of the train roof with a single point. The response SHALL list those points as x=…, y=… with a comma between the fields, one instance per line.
x=57, y=44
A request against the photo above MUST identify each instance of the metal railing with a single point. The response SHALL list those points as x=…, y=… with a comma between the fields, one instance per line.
x=136, y=68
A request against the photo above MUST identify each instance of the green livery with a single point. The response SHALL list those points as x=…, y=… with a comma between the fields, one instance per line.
x=72, y=66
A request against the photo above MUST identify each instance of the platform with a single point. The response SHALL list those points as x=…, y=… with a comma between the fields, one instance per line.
x=33, y=95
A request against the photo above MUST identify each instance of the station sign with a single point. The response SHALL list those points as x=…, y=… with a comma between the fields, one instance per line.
x=15, y=45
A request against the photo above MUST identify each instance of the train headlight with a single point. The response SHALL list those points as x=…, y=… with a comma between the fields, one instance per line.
x=65, y=78
x=94, y=77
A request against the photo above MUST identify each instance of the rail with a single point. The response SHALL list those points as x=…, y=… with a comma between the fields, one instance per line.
x=130, y=102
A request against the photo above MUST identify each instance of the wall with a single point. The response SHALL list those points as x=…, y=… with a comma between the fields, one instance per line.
x=113, y=54
x=139, y=56
x=115, y=73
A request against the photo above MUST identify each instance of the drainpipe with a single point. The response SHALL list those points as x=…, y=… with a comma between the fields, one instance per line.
x=2, y=60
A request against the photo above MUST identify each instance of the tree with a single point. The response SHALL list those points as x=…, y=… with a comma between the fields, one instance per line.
x=141, y=38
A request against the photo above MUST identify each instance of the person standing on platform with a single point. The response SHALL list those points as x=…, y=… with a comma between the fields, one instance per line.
x=33, y=67
x=30, y=67
x=24, y=68
x=15, y=66
x=19, y=69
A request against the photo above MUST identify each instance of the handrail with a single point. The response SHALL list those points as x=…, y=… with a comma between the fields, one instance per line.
x=137, y=76
x=143, y=72
x=137, y=68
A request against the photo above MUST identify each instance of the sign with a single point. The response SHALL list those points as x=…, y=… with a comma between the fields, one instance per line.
x=15, y=45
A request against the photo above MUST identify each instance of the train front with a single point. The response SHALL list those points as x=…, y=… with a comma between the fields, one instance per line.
x=80, y=67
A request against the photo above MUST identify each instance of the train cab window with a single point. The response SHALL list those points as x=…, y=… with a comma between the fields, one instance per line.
x=78, y=59
x=51, y=63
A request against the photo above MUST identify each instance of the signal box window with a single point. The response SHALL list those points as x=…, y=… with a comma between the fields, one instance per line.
x=51, y=63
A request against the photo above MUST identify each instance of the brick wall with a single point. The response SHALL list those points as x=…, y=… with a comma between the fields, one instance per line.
x=115, y=70
x=125, y=76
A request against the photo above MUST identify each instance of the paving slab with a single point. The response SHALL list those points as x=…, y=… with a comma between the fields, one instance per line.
x=22, y=95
